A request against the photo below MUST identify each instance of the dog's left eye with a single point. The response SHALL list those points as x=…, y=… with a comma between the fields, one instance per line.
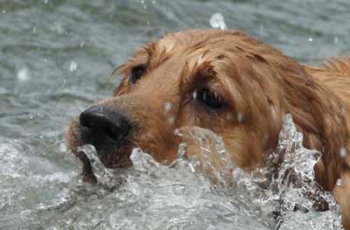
x=136, y=73
x=210, y=99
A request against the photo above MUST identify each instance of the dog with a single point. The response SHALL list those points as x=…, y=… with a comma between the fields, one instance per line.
x=232, y=84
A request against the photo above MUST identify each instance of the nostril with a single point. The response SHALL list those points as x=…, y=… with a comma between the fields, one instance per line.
x=92, y=119
x=105, y=122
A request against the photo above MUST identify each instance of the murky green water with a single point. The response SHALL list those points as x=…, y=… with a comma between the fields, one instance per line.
x=56, y=57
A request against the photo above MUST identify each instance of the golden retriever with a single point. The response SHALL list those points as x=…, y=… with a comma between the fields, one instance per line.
x=232, y=84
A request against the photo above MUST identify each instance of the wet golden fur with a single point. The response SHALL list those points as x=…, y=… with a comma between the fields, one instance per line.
x=259, y=85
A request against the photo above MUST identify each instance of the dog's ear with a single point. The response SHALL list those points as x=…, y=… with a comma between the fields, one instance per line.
x=342, y=195
x=316, y=110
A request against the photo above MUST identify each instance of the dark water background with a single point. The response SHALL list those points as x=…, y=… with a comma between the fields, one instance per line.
x=56, y=57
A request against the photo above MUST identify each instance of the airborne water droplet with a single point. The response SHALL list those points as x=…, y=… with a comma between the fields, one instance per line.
x=342, y=152
x=217, y=21
x=73, y=66
x=339, y=182
x=167, y=106
x=23, y=74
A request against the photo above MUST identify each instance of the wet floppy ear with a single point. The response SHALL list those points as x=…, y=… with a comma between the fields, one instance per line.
x=342, y=196
x=317, y=112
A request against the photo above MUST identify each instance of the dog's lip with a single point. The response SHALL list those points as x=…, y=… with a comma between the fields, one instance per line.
x=114, y=158
x=124, y=162
x=109, y=160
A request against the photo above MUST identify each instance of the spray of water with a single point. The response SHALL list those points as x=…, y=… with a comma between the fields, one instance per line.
x=281, y=195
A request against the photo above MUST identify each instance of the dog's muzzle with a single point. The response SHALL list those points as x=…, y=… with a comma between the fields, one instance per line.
x=104, y=127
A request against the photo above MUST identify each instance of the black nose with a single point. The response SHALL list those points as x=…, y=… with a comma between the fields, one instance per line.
x=101, y=124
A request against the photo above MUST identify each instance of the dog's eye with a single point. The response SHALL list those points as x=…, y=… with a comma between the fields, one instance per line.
x=136, y=73
x=210, y=99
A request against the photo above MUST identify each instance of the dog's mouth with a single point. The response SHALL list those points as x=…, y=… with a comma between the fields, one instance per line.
x=119, y=159
x=109, y=159
x=112, y=153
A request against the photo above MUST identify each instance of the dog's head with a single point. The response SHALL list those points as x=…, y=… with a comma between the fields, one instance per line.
x=224, y=81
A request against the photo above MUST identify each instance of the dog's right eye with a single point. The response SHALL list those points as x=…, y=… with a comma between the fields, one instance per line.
x=136, y=73
x=210, y=99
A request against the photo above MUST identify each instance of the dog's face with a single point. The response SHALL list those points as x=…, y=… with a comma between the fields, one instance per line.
x=213, y=79
x=224, y=81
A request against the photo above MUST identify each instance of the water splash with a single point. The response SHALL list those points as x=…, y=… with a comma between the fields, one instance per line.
x=273, y=193
x=281, y=195
x=200, y=190
x=106, y=177
x=288, y=189
x=217, y=21
x=211, y=158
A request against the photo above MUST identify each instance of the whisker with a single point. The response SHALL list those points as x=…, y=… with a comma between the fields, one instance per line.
x=31, y=137
x=50, y=146
x=62, y=123
x=78, y=108
x=133, y=142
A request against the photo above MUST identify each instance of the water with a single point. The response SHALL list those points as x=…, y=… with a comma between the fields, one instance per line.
x=185, y=195
x=55, y=60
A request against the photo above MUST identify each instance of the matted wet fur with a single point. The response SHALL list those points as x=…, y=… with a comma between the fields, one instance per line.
x=241, y=89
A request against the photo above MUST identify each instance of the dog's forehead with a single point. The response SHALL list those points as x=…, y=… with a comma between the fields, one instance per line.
x=189, y=37
x=190, y=46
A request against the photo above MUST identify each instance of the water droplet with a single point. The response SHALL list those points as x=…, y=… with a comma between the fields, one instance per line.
x=63, y=148
x=336, y=40
x=194, y=95
x=143, y=4
x=217, y=21
x=167, y=106
x=310, y=39
x=82, y=43
x=23, y=74
x=240, y=117
x=339, y=182
x=46, y=1
x=58, y=27
x=343, y=152
x=73, y=66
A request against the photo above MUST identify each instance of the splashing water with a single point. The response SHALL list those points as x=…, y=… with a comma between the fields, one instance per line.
x=197, y=190
x=212, y=159
x=200, y=191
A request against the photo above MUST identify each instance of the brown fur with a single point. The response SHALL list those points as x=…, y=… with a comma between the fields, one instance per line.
x=259, y=84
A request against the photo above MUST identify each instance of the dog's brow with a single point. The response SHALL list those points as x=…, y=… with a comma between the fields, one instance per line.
x=117, y=70
x=150, y=49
